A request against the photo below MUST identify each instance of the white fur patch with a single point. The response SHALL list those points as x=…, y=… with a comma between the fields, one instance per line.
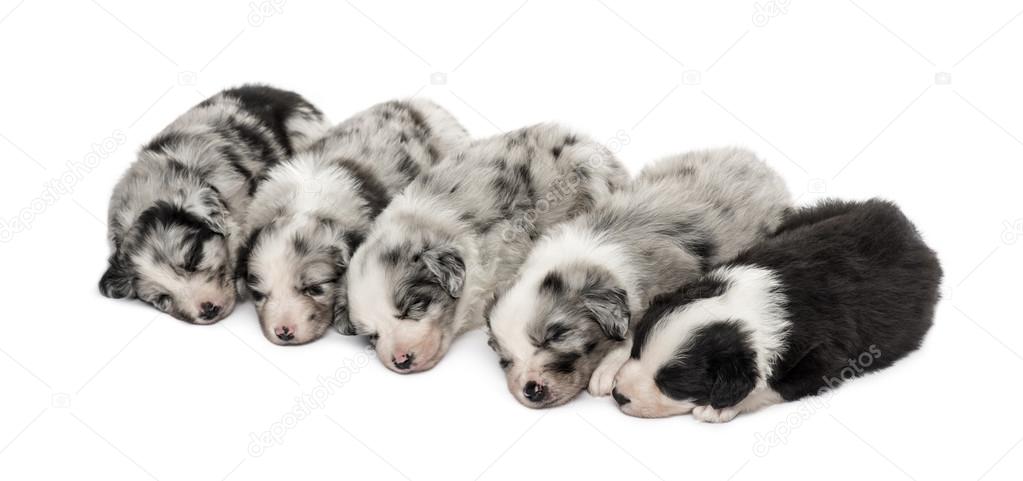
x=751, y=299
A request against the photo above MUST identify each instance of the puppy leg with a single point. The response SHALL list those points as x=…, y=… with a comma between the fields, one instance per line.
x=603, y=378
x=761, y=397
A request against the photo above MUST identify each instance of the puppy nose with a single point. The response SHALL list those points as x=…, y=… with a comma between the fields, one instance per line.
x=284, y=333
x=620, y=398
x=534, y=392
x=403, y=361
x=208, y=311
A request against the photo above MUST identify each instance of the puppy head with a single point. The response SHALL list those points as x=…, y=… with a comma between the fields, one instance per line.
x=294, y=271
x=403, y=294
x=175, y=258
x=551, y=331
x=687, y=352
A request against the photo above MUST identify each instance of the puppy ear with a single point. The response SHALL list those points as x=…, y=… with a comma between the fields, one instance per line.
x=117, y=281
x=447, y=266
x=207, y=204
x=733, y=381
x=610, y=308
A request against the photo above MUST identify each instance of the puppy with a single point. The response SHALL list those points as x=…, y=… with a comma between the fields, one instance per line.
x=844, y=288
x=565, y=323
x=174, y=217
x=435, y=256
x=312, y=212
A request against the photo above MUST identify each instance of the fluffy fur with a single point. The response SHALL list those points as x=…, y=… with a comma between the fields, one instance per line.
x=436, y=255
x=314, y=210
x=174, y=216
x=565, y=323
x=842, y=289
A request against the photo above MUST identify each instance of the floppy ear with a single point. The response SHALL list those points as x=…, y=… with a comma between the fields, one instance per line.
x=610, y=308
x=448, y=267
x=733, y=381
x=207, y=205
x=117, y=281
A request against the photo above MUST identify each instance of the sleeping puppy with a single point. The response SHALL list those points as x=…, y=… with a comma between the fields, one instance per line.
x=174, y=217
x=435, y=256
x=565, y=323
x=312, y=212
x=844, y=288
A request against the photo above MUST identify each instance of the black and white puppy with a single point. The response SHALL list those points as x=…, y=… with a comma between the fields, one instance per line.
x=844, y=288
x=565, y=323
x=437, y=253
x=313, y=211
x=175, y=215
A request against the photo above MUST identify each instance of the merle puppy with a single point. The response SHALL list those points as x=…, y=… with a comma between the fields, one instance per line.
x=437, y=253
x=174, y=216
x=844, y=288
x=565, y=323
x=314, y=210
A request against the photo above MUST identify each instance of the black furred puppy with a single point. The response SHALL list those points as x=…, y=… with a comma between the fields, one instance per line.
x=842, y=288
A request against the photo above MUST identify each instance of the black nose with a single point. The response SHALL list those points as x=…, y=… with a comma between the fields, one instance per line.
x=284, y=333
x=208, y=311
x=405, y=362
x=534, y=392
x=620, y=398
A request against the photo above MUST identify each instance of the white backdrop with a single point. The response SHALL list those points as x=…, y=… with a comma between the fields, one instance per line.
x=918, y=102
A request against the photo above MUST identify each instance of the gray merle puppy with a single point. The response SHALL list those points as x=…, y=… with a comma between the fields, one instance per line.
x=844, y=288
x=174, y=216
x=436, y=255
x=314, y=210
x=564, y=325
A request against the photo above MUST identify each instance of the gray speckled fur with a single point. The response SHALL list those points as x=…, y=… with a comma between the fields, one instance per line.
x=584, y=281
x=314, y=210
x=464, y=227
x=195, y=180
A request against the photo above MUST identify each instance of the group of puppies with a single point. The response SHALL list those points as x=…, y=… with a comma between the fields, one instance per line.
x=694, y=287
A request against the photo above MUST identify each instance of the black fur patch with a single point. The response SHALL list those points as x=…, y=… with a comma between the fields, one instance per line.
x=552, y=284
x=272, y=107
x=666, y=303
x=716, y=367
x=372, y=190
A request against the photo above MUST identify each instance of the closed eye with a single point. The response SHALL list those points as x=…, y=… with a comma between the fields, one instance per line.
x=556, y=333
x=317, y=289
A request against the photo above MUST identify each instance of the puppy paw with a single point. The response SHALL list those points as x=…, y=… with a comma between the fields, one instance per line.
x=708, y=414
x=602, y=381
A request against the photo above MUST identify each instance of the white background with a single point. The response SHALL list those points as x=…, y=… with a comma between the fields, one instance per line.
x=918, y=102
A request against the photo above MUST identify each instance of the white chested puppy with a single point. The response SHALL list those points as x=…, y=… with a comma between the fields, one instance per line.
x=436, y=255
x=312, y=211
x=175, y=216
x=564, y=325
x=842, y=289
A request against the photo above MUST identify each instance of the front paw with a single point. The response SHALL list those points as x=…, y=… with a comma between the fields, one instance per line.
x=708, y=414
x=602, y=381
